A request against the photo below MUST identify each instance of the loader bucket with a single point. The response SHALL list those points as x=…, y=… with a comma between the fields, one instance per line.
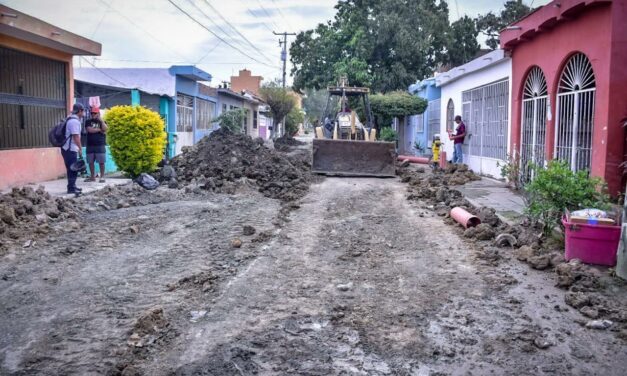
x=354, y=158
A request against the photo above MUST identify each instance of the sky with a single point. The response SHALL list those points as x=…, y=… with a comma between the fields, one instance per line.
x=220, y=37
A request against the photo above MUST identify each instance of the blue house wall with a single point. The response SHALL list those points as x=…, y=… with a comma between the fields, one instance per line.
x=187, y=78
x=425, y=89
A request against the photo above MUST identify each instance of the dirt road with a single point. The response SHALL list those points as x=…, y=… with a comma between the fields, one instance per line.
x=352, y=280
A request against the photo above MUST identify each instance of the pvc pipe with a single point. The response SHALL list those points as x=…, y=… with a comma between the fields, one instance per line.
x=464, y=218
x=443, y=160
x=413, y=159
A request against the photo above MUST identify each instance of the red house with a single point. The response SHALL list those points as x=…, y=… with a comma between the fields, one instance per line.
x=569, y=86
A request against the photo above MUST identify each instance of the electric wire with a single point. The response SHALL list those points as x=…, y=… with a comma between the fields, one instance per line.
x=216, y=35
x=263, y=23
x=144, y=30
x=282, y=16
x=226, y=33
x=103, y=72
x=237, y=31
x=267, y=14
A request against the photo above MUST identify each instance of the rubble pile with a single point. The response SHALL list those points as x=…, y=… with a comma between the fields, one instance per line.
x=285, y=143
x=26, y=213
x=224, y=160
x=125, y=196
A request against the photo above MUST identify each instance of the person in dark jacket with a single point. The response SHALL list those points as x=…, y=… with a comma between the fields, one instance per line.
x=458, y=139
x=96, y=144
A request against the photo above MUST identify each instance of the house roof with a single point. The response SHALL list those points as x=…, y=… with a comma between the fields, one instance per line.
x=419, y=85
x=157, y=81
x=544, y=19
x=475, y=65
x=24, y=27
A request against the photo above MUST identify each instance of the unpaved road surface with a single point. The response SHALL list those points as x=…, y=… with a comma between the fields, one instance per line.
x=352, y=280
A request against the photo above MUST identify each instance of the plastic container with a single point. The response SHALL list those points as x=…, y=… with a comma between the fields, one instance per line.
x=592, y=244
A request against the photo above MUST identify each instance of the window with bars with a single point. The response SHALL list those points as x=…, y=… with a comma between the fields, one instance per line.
x=433, y=119
x=450, y=115
x=184, y=113
x=204, y=114
x=485, y=114
x=254, y=119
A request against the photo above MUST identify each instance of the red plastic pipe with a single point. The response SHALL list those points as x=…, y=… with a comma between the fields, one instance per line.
x=443, y=160
x=413, y=159
x=464, y=218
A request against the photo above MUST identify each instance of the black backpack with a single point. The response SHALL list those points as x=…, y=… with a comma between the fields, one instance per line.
x=57, y=134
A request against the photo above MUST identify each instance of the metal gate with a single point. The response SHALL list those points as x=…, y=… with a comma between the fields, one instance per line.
x=485, y=113
x=533, y=130
x=575, y=113
x=32, y=98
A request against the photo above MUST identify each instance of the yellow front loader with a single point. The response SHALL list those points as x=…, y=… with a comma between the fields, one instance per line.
x=345, y=146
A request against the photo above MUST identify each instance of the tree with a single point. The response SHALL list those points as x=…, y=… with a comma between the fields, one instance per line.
x=382, y=44
x=463, y=45
x=399, y=104
x=292, y=120
x=491, y=24
x=279, y=100
x=314, y=102
x=232, y=119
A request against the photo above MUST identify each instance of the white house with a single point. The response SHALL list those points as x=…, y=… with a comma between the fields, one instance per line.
x=480, y=92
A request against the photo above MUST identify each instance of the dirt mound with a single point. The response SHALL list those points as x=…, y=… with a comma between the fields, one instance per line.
x=26, y=213
x=284, y=143
x=224, y=159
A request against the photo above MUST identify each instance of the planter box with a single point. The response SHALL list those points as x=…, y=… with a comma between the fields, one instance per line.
x=592, y=244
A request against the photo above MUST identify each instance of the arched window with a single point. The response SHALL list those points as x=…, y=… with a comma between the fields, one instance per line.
x=533, y=127
x=575, y=113
x=450, y=115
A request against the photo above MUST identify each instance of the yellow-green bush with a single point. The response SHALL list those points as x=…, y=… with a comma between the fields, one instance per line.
x=136, y=138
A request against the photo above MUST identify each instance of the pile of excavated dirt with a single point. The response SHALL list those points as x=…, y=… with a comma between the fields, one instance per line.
x=223, y=160
x=588, y=289
x=286, y=143
x=27, y=213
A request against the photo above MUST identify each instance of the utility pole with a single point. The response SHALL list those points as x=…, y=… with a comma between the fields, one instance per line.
x=283, y=43
x=284, y=50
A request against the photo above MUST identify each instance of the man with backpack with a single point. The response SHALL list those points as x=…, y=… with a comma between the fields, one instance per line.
x=72, y=148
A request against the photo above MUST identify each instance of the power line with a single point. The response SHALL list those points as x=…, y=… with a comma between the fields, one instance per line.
x=216, y=35
x=267, y=14
x=282, y=16
x=237, y=31
x=103, y=72
x=144, y=30
x=263, y=23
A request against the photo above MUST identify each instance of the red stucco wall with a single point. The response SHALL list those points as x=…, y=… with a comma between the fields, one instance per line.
x=601, y=34
x=22, y=166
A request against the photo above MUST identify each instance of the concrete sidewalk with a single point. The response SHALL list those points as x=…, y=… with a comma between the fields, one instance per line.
x=492, y=193
x=58, y=187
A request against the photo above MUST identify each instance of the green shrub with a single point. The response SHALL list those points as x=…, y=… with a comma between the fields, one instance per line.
x=510, y=170
x=388, y=134
x=557, y=188
x=293, y=119
x=232, y=119
x=136, y=137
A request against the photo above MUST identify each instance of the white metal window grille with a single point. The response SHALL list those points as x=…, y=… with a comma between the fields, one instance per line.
x=485, y=114
x=575, y=113
x=204, y=114
x=533, y=130
x=417, y=123
x=433, y=119
x=450, y=115
x=184, y=113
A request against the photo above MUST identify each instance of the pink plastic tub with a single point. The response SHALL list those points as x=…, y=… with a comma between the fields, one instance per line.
x=592, y=244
